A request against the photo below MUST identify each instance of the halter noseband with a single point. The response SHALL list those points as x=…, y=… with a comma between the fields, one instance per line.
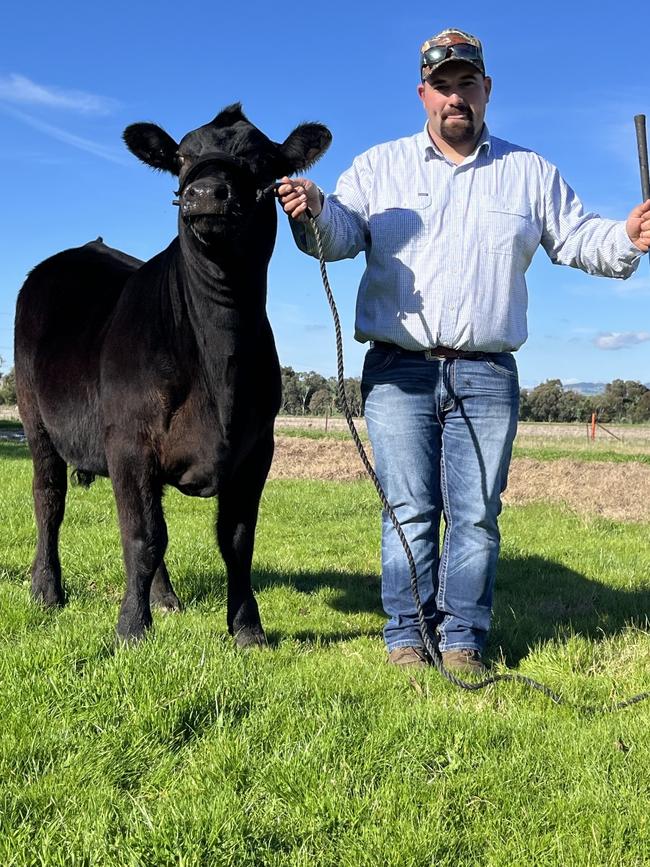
x=221, y=158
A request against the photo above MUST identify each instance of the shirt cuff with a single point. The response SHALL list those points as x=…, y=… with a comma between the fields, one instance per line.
x=630, y=253
x=325, y=215
x=304, y=234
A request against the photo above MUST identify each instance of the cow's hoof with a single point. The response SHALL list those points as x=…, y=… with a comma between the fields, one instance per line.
x=126, y=639
x=49, y=594
x=250, y=636
x=168, y=603
x=131, y=630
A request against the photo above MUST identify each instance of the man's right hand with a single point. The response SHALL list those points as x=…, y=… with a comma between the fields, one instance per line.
x=296, y=195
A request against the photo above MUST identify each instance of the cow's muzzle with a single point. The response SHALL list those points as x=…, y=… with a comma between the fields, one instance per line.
x=206, y=197
x=200, y=194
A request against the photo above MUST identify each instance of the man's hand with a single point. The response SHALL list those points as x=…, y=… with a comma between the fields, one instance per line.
x=298, y=194
x=638, y=226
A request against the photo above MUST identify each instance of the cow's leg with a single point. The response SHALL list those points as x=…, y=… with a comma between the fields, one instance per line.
x=49, y=489
x=138, y=496
x=162, y=593
x=238, y=505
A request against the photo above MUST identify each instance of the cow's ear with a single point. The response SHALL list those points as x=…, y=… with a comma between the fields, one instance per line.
x=153, y=146
x=306, y=144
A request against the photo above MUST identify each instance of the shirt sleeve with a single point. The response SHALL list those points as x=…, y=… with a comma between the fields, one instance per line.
x=343, y=221
x=584, y=240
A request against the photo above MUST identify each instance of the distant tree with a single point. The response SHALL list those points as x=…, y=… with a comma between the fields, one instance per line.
x=311, y=382
x=321, y=402
x=298, y=388
x=524, y=405
x=573, y=406
x=8, y=388
x=292, y=392
x=641, y=411
x=353, y=393
x=544, y=400
x=619, y=400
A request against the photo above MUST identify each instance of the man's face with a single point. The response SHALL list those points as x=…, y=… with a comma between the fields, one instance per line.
x=454, y=98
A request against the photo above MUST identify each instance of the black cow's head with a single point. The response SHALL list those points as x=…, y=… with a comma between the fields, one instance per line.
x=226, y=168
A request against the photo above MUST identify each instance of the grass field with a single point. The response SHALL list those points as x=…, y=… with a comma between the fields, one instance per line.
x=314, y=752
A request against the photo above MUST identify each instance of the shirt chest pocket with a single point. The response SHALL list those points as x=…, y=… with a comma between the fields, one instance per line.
x=401, y=223
x=507, y=227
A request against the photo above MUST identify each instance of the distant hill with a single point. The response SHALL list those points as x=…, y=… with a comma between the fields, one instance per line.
x=585, y=387
x=589, y=387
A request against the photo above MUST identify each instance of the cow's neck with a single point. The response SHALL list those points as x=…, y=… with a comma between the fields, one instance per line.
x=224, y=287
x=224, y=299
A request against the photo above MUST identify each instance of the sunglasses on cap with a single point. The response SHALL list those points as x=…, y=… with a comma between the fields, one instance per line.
x=460, y=51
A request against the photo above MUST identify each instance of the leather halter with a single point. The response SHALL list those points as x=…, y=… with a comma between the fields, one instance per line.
x=222, y=158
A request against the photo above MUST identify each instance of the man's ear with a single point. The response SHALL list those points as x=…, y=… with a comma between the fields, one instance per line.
x=487, y=81
x=153, y=146
x=306, y=144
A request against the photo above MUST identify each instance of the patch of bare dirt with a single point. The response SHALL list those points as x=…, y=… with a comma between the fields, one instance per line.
x=620, y=491
x=304, y=458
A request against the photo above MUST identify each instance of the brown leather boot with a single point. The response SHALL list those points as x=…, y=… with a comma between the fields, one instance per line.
x=464, y=660
x=408, y=657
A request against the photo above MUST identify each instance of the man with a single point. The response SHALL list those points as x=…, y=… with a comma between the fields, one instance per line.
x=449, y=220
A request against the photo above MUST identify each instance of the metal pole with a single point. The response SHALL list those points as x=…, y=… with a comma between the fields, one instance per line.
x=642, y=145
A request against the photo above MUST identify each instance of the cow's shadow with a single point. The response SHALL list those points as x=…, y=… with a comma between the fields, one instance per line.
x=536, y=600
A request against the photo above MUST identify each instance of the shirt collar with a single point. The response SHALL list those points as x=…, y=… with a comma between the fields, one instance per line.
x=430, y=150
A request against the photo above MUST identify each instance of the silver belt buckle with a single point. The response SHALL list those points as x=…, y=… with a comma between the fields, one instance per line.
x=431, y=356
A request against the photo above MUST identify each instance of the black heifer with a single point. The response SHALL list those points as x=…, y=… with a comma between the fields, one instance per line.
x=164, y=372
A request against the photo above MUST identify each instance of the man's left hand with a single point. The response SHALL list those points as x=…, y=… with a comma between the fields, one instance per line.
x=638, y=226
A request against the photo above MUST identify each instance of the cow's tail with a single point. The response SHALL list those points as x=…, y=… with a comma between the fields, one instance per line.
x=82, y=478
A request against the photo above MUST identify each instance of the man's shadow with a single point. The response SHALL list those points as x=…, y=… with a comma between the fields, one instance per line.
x=536, y=600
x=391, y=231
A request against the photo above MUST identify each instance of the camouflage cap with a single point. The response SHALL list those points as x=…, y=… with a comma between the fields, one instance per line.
x=450, y=44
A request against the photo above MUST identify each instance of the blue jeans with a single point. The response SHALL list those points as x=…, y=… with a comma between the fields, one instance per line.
x=442, y=434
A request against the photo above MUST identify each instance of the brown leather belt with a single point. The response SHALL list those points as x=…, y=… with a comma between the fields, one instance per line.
x=433, y=352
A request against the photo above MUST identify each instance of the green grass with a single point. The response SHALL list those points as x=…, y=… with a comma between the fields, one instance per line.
x=576, y=452
x=184, y=751
x=318, y=434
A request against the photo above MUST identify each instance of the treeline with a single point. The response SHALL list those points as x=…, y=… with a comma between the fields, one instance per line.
x=310, y=393
x=313, y=394
x=621, y=401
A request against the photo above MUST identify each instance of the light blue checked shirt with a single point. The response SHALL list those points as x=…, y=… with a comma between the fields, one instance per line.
x=447, y=246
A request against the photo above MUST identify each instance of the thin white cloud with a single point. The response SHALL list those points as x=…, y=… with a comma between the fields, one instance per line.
x=620, y=339
x=106, y=152
x=15, y=88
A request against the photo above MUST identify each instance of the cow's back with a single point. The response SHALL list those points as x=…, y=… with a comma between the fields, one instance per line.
x=62, y=314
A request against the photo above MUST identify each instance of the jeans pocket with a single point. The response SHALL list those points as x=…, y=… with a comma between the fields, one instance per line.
x=504, y=364
x=378, y=359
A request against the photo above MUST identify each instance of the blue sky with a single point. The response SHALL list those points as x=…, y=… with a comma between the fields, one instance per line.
x=567, y=81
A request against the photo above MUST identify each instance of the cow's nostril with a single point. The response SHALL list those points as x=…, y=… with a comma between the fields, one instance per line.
x=221, y=193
